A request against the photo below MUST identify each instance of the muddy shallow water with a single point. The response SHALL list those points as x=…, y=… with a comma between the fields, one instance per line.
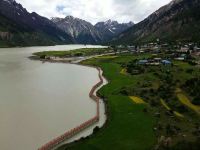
x=39, y=101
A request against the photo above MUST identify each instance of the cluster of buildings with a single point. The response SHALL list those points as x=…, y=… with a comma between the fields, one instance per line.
x=155, y=47
x=179, y=52
x=154, y=62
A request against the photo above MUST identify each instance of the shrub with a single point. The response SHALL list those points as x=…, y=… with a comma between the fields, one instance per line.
x=96, y=129
x=42, y=56
x=190, y=70
x=196, y=100
x=78, y=54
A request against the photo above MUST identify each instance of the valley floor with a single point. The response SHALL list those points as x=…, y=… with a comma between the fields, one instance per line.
x=147, y=110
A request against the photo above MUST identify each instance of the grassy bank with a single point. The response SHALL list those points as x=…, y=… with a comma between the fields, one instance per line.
x=73, y=53
x=128, y=126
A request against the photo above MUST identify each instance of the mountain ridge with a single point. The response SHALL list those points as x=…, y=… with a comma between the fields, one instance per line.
x=176, y=21
x=84, y=32
x=27, y=29
x=110, y=29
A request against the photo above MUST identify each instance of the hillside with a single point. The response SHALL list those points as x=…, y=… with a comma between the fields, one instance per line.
x=177, y=21
x=109, y=29
x=82, y=31
x=21, y=28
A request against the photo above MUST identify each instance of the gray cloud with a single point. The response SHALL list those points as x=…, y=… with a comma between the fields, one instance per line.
x=95, y=10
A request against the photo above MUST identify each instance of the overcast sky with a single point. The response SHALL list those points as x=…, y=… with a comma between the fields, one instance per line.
x=95, y=10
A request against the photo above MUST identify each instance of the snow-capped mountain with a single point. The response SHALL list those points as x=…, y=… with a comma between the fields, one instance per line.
x=110, y=29
x=18, y=27
x=26, y=28
x=82, y=31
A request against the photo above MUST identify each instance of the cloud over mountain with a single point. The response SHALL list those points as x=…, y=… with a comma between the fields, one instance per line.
x=95, y=10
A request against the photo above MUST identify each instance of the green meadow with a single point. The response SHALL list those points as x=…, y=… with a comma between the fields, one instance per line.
x=168, y=118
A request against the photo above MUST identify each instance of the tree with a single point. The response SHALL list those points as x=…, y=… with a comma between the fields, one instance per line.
x=114, y=47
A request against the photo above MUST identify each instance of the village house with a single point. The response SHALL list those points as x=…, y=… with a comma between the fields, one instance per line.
x=165, y=45
x=143, y=62
x=197, y=49
x=154, y=62
x=132, y=49
x=184, y=49
x=181, y=57
x=166, y=62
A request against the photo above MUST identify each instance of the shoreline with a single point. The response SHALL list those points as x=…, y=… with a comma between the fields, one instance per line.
x=143, y=114
x=57, y=142
x=69, y=60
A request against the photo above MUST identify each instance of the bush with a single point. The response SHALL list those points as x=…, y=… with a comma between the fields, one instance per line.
x=196, y=100
x=42, y=56
x=190, y=70
x=124, y=91
x=78, y=54
x=135, y=69
x=182, y=109
x=192, y=63
x=96, y=129
x=186, y=146
x=192, y=87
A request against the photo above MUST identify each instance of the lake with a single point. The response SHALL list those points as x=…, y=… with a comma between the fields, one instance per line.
x=40, y=101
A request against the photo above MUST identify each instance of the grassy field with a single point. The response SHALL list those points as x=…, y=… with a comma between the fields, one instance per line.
x=184, y=100
x=128, y=126
x=143, y=126
x=73, y=53
x=137, y=100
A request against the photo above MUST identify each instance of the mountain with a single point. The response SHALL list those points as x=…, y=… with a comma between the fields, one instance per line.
x=18, y=27
x=82, y=31
x=110, y=29
x=177, y=21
